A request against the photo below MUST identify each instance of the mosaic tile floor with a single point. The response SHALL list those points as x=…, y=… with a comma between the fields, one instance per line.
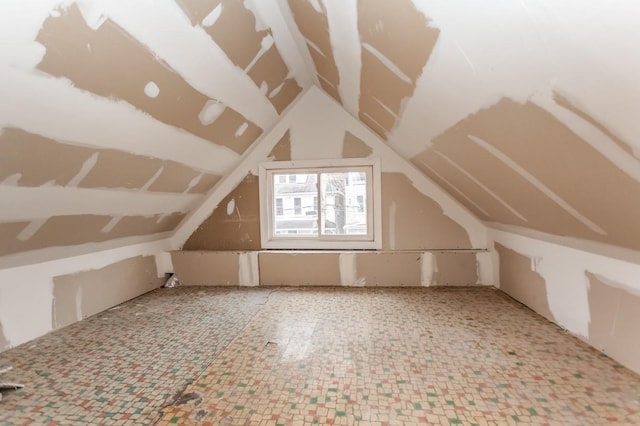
x=318, y=356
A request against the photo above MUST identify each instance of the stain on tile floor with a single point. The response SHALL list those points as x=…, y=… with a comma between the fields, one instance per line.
x=318, y=356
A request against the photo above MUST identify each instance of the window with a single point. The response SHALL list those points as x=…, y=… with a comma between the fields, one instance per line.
x=324, y=204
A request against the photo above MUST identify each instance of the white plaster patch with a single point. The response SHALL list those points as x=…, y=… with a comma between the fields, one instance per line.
x=342, y=16
x=151, y=90
x=91, y=13
x=34, y=203
x=231, y=207
x=213, y=16
x=86, y=168
x=210, y=112
x=30, y=230
x=428, y=269
x=248, y=273
x=276, y=90
x=12, y=180
x=243, y=128
x=265, y=44
x=316, y=6
x=78, y=303
x=348, y=273
x=31, y=102
x=387, y=63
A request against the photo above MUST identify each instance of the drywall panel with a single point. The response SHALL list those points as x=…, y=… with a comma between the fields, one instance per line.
x=411, y=220
x=82, y=294
x=354, y=147
x=313, y=24
x=457, y=268
x=4, y=343
x=220, y=268
x=35, y=292
x=519, y=280
x=282, y=150
x=389, y=74
x=81, y=229
x=389, y=269
x=92, y=59
x=282, y=96
x=615, y=315
x=568, y=289
x=299, y=268
x=234, y=223
x=545, y=172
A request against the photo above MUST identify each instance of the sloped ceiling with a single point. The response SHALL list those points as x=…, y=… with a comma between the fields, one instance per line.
x=119, y=116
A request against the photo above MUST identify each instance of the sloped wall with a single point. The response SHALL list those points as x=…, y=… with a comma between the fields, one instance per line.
x=416, y=216
x=595, y=297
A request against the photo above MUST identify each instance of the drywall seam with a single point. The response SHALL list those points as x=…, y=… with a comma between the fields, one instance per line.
x=563, y=269
x=248, y=272
x=538, y=185
x=204, y=65
x=248, y=163
x=387, y=63
x=272, y=16
x=393, y=208
x=35, y=292
x=487, y=274
x=589, y=133
x=483, y=186
x=31, y=102
x=348, y=272
x=342, y=16
x=428, y=268
x=285, y=12
x=455, y=188
x=35, y=203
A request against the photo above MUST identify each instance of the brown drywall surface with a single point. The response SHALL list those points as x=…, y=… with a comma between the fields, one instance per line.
x=282, y=150
x=197, y=10
x=558, y=159
x=78, y=296
x=354, y=147
x=299, y=269
x=389, y=269
x=235, y=32
x=206, y=268
x=81, y=229
x=615, y=315
x=455, y=268
x=385, y=25
x=239, y=230
x=31, y=155
x=110, y=63
x=519, y=281
x=411, y=220
x=4, y=343
x=564, y=102
x=314, y=26
x=285, y=95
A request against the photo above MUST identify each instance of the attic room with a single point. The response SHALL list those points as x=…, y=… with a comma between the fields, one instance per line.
x=319, y=212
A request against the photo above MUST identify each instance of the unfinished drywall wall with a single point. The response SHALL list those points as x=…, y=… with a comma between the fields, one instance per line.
x=520, y=165
x=615, y=315
x=82, y=294
x=386, y=270
x=416, y=214
x=519, y=280
x=299, y=268
x=234, y=224
x=219, y=268
x=412, y=220
x=591, y=295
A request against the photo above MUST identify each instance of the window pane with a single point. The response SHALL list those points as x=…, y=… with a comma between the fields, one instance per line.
x=297, y=195
x=342, y=212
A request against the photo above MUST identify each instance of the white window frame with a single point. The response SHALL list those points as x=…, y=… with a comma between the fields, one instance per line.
x=371, y=241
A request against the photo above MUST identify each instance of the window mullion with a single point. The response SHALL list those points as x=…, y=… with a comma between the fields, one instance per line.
x=319, y=206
